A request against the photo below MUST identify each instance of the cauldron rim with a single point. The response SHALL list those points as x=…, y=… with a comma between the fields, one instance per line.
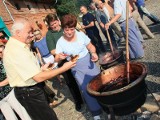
x=121, y=53
x=135, y=82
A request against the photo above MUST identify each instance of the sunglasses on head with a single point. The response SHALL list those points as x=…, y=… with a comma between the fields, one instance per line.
x=2, y=37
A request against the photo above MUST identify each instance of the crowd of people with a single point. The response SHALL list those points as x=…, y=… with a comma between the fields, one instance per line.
x=29, y=59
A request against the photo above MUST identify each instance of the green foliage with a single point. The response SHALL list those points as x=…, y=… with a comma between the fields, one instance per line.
x=83, y=2
x=66, y=6
x=69, y=6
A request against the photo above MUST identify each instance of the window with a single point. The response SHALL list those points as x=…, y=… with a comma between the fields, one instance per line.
x=29, y=7
x=17, y=6
x=44, y=7
x=50, y=7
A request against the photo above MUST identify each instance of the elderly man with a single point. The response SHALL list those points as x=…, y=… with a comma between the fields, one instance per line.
x=8, y=102
x=25, y=74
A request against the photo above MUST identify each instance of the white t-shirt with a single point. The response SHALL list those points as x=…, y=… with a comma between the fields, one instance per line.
x=78, y=47
x=120, y=8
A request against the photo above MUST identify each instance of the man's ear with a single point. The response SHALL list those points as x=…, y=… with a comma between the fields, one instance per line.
x=18, y=33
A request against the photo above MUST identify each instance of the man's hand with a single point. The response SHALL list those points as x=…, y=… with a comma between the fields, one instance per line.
x=69, y=65
x=102, y=25
x=107, y=26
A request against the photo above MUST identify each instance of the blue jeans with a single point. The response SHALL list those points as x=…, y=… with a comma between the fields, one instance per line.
x=96, y=41
x=135, y=46
x=143, y=11
x=84, y=71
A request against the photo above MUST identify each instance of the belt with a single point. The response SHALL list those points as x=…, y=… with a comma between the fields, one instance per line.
x=46, y=55
x=124, y=21
x=39, y=85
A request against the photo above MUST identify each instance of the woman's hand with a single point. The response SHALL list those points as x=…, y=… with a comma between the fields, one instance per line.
x=61, y=56
x=94, y=57
x=45, y=67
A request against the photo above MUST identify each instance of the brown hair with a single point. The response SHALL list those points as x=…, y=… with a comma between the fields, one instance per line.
x=69, y=21
x=50, y=17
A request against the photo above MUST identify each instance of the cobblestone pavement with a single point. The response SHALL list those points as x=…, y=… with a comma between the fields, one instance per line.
x=65, y=109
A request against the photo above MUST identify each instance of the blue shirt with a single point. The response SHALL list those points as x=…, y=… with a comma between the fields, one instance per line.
x=140, y=3
x=42, y=46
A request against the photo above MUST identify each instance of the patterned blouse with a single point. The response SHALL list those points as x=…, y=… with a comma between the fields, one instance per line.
x=4, y=91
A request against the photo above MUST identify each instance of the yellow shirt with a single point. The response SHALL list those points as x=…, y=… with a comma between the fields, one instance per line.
x=20, y=64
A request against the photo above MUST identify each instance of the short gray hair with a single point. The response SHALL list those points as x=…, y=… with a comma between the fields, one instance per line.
x=18, y=25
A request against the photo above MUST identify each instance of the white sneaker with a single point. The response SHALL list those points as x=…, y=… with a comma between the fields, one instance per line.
x=97, y=117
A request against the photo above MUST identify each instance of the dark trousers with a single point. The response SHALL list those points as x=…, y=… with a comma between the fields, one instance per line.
x=50, y=95
x=72, y=85
x=34, y=101
x=96, y=41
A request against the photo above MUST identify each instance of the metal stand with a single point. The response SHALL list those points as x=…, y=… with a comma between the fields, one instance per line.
x=112, y=113
x=153, y=97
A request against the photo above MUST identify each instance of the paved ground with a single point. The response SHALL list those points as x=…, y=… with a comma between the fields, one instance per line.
x=65, y=109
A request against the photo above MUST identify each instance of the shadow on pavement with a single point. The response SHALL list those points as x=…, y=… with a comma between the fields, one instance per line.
x=153, y=68
x=152, y=86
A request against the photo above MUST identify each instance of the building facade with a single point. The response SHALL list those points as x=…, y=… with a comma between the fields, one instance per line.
x=34, y=10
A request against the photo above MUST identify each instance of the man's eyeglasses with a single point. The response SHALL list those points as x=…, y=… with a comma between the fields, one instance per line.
x=2, y=46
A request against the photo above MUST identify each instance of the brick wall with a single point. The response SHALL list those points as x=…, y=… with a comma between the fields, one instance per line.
x=37, y=12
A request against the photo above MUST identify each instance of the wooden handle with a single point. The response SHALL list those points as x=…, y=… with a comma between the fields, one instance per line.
x=110, y=43
x=39, y=56
x=127, y=47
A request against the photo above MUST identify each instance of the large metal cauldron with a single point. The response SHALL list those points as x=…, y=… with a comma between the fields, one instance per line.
x=119, y=59
x=126, y=99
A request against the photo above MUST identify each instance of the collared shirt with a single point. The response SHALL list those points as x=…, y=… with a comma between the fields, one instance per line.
x=52, y=38
x=120, y=8
x=140, y=3
x=20, y=64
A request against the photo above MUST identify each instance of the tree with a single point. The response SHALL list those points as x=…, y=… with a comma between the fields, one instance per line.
x=69, y=6
x=83, y=2
x=66, y=6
